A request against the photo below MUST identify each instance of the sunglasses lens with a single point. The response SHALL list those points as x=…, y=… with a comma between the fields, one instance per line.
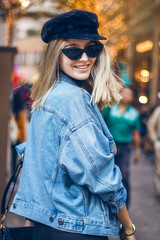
x=94, y=50
x=73, y=53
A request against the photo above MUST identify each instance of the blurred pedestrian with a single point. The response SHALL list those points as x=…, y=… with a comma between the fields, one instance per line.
x=144, y=115
x=24, y=91
x=154, y=134
x=146, y=143
x=124, y=124
x=70, y=187
x=17, y=126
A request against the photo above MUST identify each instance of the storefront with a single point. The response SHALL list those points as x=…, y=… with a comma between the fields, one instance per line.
x=144, y=52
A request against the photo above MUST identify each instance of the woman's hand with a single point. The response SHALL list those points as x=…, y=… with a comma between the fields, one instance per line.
x=127, y=227
x=131, y=237
x=124, y=237
x=127, y=233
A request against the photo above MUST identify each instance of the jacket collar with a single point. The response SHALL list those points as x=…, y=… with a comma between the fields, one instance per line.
x=66, y=78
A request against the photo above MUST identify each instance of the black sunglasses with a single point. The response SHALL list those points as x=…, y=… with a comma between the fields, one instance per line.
x=92, y=51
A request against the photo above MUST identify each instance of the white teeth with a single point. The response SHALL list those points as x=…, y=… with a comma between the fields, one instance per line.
x=82, y=66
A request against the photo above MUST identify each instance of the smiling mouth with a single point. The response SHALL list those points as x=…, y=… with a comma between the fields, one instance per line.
x=82, y=66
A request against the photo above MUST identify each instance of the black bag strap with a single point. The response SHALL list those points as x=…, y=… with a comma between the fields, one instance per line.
x=13, y=178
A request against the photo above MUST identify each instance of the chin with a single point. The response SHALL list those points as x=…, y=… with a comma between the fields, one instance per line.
x=81, y=76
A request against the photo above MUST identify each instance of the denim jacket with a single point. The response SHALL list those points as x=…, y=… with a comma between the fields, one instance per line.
x=69, y=180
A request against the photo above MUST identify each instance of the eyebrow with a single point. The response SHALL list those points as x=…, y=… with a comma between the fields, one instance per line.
x=71, y=45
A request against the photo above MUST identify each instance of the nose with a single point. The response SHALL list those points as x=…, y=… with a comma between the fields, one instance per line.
x=84, y=57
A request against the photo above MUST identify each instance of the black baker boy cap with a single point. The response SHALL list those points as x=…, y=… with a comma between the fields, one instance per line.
x=76, y=24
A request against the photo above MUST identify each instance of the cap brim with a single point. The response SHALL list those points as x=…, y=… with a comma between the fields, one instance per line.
x=86, y=36
x=47, y=39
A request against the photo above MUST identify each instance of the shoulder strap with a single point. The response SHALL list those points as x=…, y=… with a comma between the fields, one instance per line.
x=14, y=177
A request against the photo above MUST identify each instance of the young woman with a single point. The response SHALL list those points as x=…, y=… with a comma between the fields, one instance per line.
x=70, y=187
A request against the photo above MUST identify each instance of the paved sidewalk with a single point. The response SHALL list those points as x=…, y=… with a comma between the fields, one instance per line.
x=145, y=208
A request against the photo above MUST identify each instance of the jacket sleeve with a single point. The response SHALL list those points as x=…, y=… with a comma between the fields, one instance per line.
x=87, y=158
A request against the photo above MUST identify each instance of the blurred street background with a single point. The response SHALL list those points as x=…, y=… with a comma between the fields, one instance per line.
x=133, y=39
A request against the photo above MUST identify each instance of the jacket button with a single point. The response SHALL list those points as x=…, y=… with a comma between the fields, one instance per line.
x=51, y=219
x=60, y=222
x=14, y=205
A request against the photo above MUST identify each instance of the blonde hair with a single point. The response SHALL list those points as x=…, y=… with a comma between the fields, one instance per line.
x=106, y=86
x=48, y=73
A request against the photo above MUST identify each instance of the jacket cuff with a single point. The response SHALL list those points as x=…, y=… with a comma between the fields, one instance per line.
x=118, y=201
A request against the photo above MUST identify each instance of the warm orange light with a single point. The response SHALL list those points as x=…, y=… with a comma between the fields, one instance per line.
x=144, y=46
x=143, y=99
x=25, y=3
x=144, y=73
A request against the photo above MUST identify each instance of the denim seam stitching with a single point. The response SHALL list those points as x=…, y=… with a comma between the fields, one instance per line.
x=86, y=107
x=84, y=149
x=106, y=184
x=85, y=100
x=59, y=130
x=71, y=126
x=72, y=130
x=86, y=153
x=58, y=114
x=25, y=204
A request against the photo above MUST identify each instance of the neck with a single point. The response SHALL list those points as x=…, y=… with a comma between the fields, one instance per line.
x=121, y=104
x=85, y=84
x=122, y=107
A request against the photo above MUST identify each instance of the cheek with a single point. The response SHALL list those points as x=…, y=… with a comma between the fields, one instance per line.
x=65, y=64
x=131, y=99
x=94, y=61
